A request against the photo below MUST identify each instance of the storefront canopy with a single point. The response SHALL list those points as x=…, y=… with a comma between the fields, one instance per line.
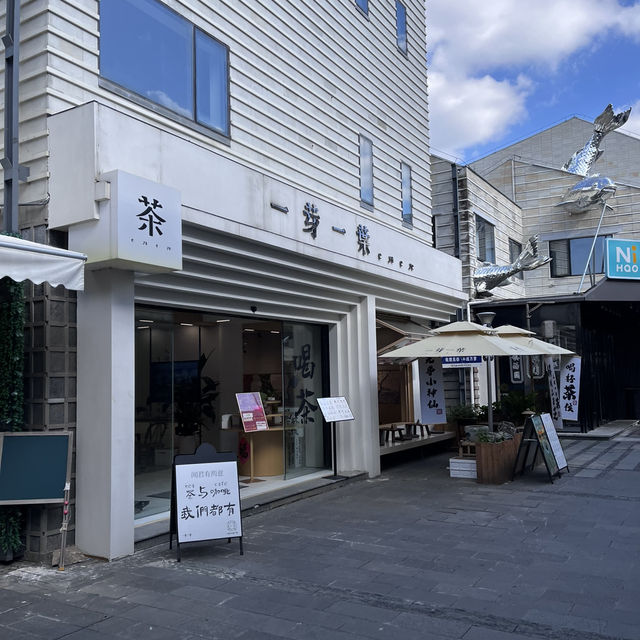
x=23, y=260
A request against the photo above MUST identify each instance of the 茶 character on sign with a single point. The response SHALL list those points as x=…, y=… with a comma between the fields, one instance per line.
x=149, y=217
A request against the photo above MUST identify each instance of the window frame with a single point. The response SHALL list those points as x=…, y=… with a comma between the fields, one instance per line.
x=365, y=8
x=515, y=249
x=553, y=265
x=482, y=223
x=362, y=139
x=190, y=122
x=406, y=195
x=404, y=50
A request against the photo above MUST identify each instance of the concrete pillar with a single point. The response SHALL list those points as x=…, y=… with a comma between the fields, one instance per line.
x=355, y=376
x=106, y=415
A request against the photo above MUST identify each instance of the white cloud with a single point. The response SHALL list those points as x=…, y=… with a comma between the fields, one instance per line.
x=469, y=40
x=632, y=126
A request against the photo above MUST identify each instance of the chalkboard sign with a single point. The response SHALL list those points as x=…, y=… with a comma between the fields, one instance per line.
x=554, y=441
x=205, y=497
x=534, y=445
x=35, y=468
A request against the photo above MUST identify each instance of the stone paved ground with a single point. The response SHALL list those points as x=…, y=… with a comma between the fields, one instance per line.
x=412, y=554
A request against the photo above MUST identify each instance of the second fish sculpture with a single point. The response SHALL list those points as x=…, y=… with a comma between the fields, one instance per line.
x=593, y=189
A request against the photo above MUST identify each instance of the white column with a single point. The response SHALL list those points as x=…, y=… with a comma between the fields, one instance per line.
x=353, y=345
x=106, y=414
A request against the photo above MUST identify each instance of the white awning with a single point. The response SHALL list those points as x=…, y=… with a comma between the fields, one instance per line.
x=24, y=260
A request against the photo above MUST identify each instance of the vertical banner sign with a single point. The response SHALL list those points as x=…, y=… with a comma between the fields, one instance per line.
x=432, y=407
x=515, y=367
x=570, y=388
x=554, y=395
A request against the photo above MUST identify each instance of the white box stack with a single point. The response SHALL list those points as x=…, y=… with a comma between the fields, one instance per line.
x=462, y=468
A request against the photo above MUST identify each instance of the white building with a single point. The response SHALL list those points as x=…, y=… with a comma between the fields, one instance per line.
x=251, y=183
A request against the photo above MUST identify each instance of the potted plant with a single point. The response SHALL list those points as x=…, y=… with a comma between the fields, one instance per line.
x=192, y=402
x=462, y=415
x=496, y=455
x=10, y=534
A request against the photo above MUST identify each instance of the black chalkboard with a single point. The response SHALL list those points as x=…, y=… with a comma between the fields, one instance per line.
x=34, y=467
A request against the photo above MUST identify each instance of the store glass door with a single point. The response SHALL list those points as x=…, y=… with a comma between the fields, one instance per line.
x=306, y=435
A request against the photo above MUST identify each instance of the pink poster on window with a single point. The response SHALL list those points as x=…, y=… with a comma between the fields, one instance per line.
x=252, y=411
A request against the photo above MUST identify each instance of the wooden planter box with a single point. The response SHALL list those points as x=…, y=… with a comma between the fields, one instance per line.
x=495, y=460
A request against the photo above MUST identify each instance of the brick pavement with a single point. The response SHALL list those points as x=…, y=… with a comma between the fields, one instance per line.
x=411, y=554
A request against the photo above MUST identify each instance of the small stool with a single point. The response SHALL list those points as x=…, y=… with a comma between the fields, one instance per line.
x=418, y=425
x=386, y=429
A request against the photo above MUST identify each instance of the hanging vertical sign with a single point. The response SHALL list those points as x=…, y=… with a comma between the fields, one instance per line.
x=554, y=395
x=570, y=388
x=515, y=367
x=432, y=406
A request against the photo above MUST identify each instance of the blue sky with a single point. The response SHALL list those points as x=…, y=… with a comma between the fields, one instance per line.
x=501, y=70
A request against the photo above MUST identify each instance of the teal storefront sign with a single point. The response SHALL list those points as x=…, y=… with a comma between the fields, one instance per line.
x=623, y=259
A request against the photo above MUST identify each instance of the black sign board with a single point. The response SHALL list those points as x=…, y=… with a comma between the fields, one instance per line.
x=534, y=446
x=205, y=497
x=35, y=467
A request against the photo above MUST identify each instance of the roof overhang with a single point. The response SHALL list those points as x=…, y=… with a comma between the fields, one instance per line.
x=24, y=260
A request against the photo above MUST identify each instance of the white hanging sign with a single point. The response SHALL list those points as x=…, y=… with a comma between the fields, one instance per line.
x=335, y=409
x=432, y=404
x=570, y=388
x=208, y=501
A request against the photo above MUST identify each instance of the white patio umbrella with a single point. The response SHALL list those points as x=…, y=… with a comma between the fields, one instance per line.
x=527, y=339
x=463, y=338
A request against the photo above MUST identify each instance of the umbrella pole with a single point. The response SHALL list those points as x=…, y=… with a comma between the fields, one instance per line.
x=489, y=394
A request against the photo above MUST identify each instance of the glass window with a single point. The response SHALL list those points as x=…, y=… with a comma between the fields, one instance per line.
x=485, y=241
x=569, y=256
x=366, y=170
x=364, y=5
x=401, y=26
x=148, y=49
x=515, y=249
x=407, y=211
x=212, y=108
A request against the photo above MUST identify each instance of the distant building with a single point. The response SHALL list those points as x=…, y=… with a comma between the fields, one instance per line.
x=488, y=210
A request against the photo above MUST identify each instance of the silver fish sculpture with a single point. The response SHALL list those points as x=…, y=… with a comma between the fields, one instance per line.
x=489, y=276
x=587, y=193
x=583, y=160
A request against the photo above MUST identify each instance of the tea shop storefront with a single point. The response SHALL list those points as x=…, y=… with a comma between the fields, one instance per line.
x=189, y=367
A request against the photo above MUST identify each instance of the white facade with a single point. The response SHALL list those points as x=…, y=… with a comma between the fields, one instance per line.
x=306, y=80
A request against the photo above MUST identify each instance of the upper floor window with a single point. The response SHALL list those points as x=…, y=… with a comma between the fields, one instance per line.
x=485, y=241
x=570, y=255
x=366, y=171
x=405, y=179
x=148, y=49
x=515, y=249
x=401, y=26
x=364, y=5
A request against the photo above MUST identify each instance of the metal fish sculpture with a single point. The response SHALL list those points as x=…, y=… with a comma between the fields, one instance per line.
x=583, y=160
x=489, y=276
x=587, y=193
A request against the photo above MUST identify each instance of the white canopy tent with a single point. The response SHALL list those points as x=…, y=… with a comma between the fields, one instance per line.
x=24, y=260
